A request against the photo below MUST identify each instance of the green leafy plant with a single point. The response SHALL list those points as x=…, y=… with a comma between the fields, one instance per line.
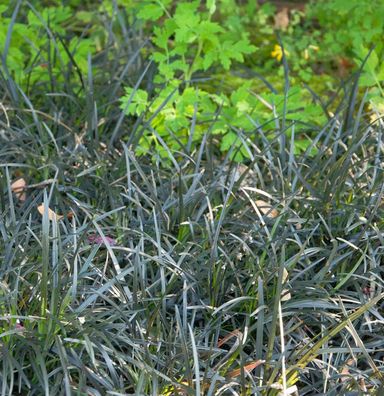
x=187, y=42
x=39, y=46
x=346, y=41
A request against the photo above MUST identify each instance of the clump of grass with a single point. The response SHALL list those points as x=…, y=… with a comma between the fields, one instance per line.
x=200, y=278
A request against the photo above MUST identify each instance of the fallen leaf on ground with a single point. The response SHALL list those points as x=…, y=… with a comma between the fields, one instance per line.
x=70, y=215
x=363, y=385
x=98, y=240
x=18, y=188
x=247, y=368
x=282, y=19
x=235, y=333
x=266, y=209
x=51, y=214
x=345, y=373
x=286, y=295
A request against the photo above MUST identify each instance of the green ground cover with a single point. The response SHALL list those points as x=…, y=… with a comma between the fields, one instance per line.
x=192, y=197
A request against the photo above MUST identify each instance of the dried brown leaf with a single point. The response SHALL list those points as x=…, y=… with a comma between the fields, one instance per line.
x=51, y=214
x=363, y=385
x=282, y=19
x=248, y=368
x=18, y=188
x=235, y=333
x=266, y=209
x=286, y=295
x=345, y=370
x=70, y=215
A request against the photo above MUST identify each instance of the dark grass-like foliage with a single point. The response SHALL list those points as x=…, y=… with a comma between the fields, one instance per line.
x=171, y=279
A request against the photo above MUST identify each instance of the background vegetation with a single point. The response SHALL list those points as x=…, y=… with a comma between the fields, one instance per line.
x=192, y=197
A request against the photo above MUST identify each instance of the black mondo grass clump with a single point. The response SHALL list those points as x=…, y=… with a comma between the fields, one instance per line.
x=127, y=275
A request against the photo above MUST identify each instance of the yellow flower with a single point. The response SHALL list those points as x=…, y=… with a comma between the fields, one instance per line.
x=278, y=52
